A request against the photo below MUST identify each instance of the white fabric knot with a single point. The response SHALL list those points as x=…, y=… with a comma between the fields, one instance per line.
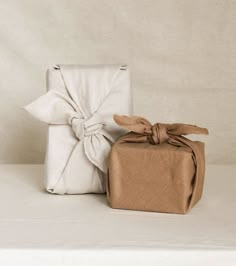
x=84, y=127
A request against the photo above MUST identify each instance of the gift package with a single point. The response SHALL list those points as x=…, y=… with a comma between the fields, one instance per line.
x=78, y=107
x=155, y=168
x=141, y=166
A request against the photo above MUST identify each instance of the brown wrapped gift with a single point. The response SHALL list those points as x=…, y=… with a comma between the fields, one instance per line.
x=155, y=168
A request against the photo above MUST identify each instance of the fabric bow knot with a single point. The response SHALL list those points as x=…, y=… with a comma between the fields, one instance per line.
x=84, y=127
x=157, y=133
x=59, y=109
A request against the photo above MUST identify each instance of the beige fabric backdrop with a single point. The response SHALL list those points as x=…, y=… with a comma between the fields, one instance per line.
x=182, y=55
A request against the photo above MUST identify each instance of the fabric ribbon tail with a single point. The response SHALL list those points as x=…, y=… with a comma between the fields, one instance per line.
x=97, y=148
x=185, y=129
x=133, y=123
x=52, y=108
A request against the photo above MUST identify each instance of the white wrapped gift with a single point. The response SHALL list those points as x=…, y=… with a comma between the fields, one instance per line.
x=79, y=108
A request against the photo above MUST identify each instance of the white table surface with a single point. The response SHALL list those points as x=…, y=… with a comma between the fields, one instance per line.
x=37, y=228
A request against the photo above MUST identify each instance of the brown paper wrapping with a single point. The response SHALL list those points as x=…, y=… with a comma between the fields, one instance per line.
x=155, y=168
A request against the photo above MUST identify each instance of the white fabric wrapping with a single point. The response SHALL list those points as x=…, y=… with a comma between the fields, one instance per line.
x=79, y=107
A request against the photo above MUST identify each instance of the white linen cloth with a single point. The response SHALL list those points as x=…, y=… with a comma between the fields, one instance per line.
x=79, y=108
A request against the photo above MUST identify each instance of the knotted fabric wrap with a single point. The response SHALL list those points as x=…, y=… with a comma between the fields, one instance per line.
x=183, y=157
x=157, y=133
x=78, y=107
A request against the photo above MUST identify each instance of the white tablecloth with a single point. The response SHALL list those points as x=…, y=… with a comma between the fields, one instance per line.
x=37, y=228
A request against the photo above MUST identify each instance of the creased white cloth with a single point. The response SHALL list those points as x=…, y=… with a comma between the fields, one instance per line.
x=79, y=107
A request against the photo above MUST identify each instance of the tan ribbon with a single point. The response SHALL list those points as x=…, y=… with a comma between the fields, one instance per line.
x=157, y=133
x=143, y=131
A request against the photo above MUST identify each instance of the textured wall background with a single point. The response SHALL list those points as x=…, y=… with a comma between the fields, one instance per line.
x=182, y=55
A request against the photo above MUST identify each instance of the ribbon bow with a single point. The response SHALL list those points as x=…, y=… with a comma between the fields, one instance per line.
x=158, y=133
x=143, y=131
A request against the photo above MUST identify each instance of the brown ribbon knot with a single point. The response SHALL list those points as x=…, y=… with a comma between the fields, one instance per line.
x=155, y=134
